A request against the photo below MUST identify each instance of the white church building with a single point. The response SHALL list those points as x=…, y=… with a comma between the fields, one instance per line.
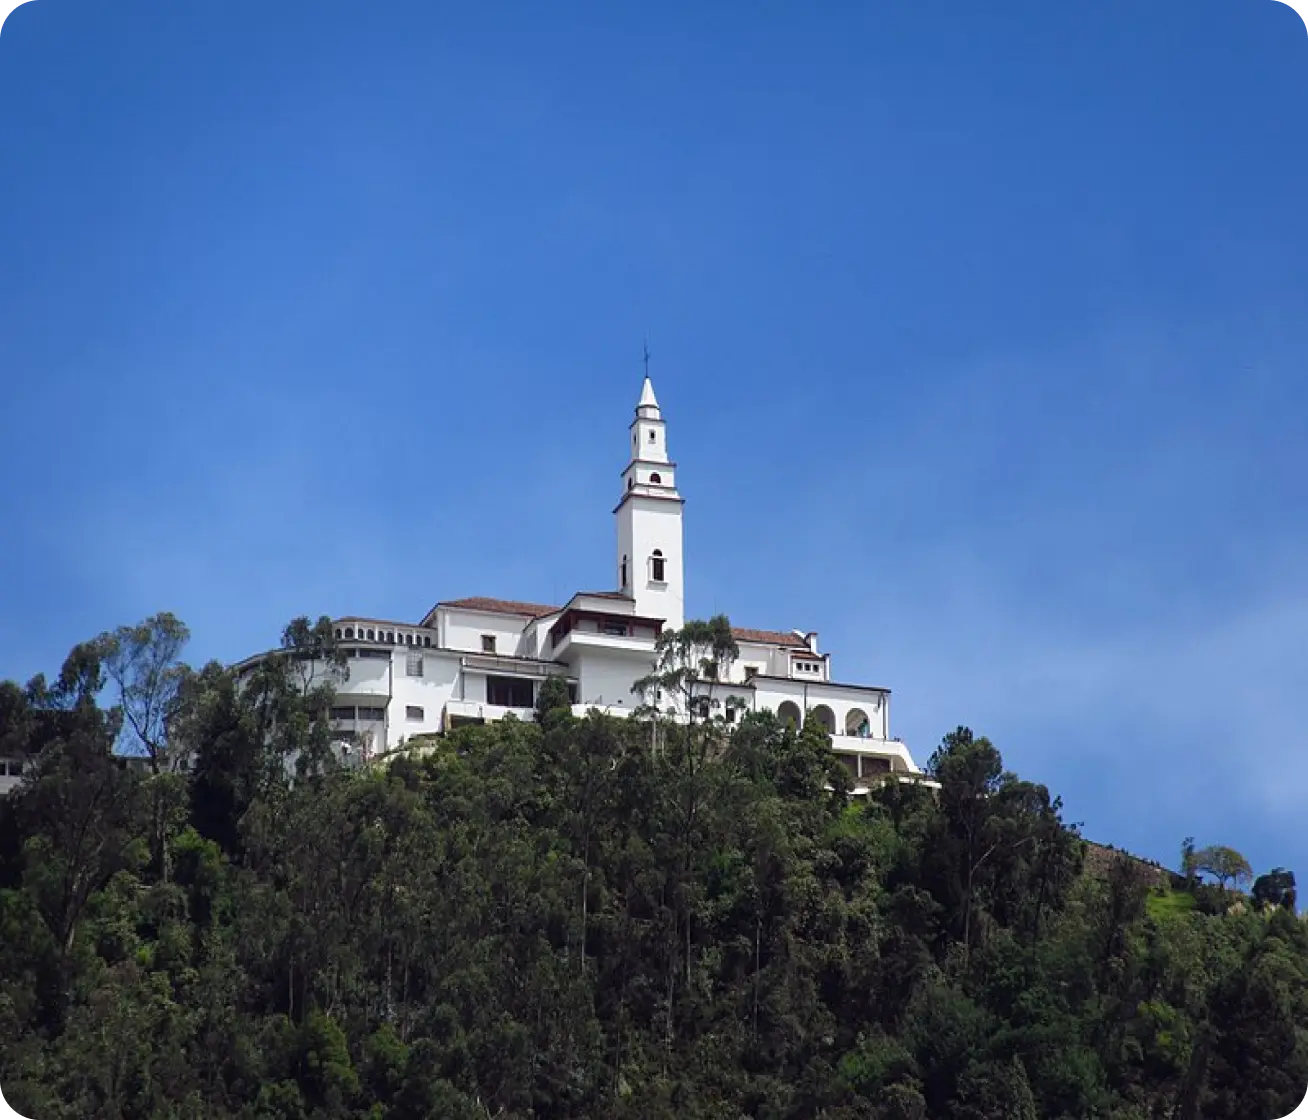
x=475, y=660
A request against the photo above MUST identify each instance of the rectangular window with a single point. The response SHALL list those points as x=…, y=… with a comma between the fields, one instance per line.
x=751, y=671
x=342, y=713
x=617, y=629
x=510, y=692
x=376, y=654
x=372, y=713
x=413, y=665
x=488, y=643
x=412, y=712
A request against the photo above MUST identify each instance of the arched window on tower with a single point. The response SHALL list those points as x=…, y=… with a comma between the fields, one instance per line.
x=623, y=585
x=657, y=566
x=656, y=478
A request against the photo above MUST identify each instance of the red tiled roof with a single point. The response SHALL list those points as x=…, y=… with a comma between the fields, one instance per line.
x=538, y=610
x=768, y=637
x=500, y=606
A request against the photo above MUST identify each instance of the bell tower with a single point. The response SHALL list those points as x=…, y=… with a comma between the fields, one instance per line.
x=650, y=562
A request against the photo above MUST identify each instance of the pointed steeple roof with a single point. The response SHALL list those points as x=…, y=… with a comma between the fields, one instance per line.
x=647, y=397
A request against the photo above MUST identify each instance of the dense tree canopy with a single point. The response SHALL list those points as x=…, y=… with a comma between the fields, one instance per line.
x=594, y=917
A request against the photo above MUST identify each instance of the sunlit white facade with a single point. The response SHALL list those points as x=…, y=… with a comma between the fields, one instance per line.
x=480, y=659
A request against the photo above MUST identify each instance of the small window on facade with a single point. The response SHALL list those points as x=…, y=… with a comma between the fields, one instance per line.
x=656, y=478
x=349, y=631
x=623, y=584
x=630, y=483
x=342, y=713
x=412, y=712
x=426, y=641
x=656, y=567
x=372, y=636
x=338, y=633
x=616, y=629
x=372, y=713
x=414, y=665
x=488, y=643
x=751, y=671
x=653, y=437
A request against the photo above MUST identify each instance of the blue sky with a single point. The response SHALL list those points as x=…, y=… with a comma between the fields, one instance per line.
x=980, y=330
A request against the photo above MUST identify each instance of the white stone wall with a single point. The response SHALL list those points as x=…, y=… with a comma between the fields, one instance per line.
x=463, y=630
x=644, y=525
x=605, y=677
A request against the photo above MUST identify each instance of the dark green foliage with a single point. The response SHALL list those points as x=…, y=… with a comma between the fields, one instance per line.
x=640, y=919
x=1276, y=888
x=552, y=699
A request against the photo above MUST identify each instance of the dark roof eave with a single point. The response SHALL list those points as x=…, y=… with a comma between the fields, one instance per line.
x=652, y=497
x=824, y=684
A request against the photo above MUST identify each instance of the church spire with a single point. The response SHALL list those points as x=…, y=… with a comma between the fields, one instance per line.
x=649, y=403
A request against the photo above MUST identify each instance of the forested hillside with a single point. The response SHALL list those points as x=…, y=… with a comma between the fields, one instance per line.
x=587, y=918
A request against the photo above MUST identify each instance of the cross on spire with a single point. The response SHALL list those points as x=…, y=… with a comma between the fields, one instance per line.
x=646, y=348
